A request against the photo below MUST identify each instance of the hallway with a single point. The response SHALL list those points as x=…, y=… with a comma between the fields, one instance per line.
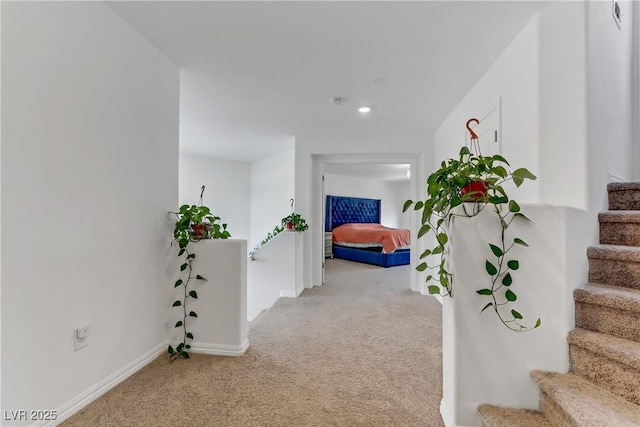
x=360, y=350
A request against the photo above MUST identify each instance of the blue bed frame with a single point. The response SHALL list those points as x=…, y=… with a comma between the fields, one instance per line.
x=343, y=210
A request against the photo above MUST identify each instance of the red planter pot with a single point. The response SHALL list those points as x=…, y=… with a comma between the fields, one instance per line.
x=199, y=231
x=289, y=226
x=476, y=190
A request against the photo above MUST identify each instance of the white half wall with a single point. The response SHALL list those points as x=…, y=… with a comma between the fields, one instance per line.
x=392, y=194
x=484, y=362
x=89, y=171
x=272, y=187
x=221, y=325
x=227, y=189
x=276, y=271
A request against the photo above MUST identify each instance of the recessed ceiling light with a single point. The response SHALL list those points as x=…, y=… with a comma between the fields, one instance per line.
x=364, y=109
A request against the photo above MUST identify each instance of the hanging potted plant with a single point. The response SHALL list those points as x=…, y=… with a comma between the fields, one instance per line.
x=294, y=222
x=463, y=187
x=193, y=223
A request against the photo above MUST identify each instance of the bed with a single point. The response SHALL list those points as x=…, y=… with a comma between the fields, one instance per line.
x=363, y=213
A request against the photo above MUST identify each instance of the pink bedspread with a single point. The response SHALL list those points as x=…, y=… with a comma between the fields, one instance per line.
x=390, y=238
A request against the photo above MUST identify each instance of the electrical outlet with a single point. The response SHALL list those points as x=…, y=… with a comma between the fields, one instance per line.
x=81, y=337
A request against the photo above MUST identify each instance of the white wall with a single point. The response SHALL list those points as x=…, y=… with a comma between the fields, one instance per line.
x=89, y=171
x=272, y=188
x=227, y=193
x=393, y=194
x=611, y=92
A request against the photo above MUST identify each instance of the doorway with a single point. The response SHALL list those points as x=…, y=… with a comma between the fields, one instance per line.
x=322, y=164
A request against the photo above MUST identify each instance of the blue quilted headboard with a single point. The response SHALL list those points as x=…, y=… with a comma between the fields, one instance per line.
x=343, y=210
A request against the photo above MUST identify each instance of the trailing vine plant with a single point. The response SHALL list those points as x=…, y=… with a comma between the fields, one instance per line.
x=293, y=222
x=193, y=224
x=471, y=183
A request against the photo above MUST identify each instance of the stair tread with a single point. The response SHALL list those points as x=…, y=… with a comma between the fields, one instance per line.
x=618, y=349
x=609, y=296
x=620, y=216
x=498, y=416
x=615, y=252
x=585, y=403
x=623, y=186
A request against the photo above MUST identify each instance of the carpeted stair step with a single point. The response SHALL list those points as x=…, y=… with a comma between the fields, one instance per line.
x=568, y=400
x=620, y=228
x=609, y=362
x=624, y=195
x=497, y=416
x=608, y=309
x=614, y=265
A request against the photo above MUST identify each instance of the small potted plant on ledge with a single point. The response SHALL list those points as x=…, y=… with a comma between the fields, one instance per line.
x=472, y=182
x=294, y=222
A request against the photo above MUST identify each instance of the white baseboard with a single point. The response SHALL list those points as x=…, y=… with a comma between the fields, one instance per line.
x=288, y=294
x=92, y=393
x=447, y=416
x=220, y=349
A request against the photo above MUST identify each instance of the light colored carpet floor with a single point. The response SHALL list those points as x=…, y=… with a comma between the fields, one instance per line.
x=361, y=350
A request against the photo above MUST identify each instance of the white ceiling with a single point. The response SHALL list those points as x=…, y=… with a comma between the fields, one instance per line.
x=256, y=75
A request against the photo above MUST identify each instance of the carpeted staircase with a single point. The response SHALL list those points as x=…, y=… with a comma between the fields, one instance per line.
x=602, y=387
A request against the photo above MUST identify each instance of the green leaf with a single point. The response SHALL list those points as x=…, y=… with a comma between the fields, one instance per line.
x=187, y=346
x=180, y=347
x=184, y=354
x=437, y=250
x=193, y=314
x=516, y=314
x=500, y=171
x=199, y=277
x=181, y=251
x=176, y=304
x=499, y=158
x=424, y=230
x=496, y=250
x=443, y=238
x=520, y=242
x=178, y=324
x=464, y=151
x=433, y=289
x=193, y=294
x=178, y=283
x=191, y=256
x=184, y=266
x=496, y=200
x=491, y=269
x=189, y=335
x=425, y=254
x=407, y=205
x=485, y=292
x=507, y=280
x=422, y=267
x=455, y=201
x=513, y=206
x=170, y=350
x=418, y=206
x=521, y=215
x=510, y=296
x=519, y=175
x=486, y=306
x=538, y=323
x=513, y=264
